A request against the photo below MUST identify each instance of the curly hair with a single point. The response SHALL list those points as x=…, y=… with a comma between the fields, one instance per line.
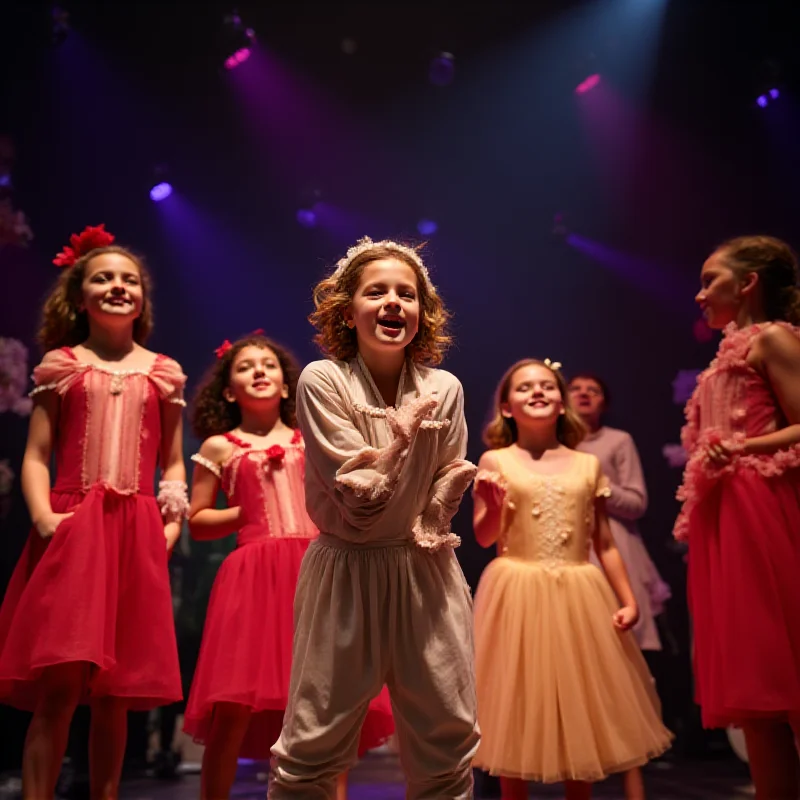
x=65, y=325
x=502, y=431
x=775, y=263
x=212, y=414
x=332, y=296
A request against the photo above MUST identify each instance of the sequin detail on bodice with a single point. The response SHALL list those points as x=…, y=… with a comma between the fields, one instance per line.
x=269, y=486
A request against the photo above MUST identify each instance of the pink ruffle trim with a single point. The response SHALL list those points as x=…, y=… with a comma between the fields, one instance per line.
x=701, y=474
x=432, y=528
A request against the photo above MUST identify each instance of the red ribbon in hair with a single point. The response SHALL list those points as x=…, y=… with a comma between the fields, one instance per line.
x=82, y=243
x=226, y=345
x=223, y=348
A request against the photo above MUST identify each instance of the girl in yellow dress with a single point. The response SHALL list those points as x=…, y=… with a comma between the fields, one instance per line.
x=564, y=693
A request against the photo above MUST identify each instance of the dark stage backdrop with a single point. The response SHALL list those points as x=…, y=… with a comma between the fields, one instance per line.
x=569, y=226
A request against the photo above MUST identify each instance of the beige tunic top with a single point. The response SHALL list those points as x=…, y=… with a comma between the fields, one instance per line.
x=376, y=474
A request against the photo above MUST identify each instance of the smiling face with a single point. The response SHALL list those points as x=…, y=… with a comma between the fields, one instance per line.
x=385, y=309
x=722, y=291
x=256, y=378
x=534, y=397
x=111, y=290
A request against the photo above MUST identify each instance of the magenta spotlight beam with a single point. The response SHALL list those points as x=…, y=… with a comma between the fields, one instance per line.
x=587, y=84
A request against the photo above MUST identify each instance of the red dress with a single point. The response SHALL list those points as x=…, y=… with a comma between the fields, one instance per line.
x=98, y=590
x=742, y=523
x=246, y=654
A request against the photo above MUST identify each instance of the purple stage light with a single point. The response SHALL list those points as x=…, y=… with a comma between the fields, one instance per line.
x=427, y=227
x=762, y=101
x=237, y=58
x=161, y=191
x=307, y=218
x=587, y=84
x=774, y=94
x=442, y=70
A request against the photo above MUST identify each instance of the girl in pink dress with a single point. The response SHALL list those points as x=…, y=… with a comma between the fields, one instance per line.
x=88, y=612
x=254, y=452
x=741, y=507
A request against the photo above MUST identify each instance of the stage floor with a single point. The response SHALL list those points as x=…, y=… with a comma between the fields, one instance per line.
x=378, y=777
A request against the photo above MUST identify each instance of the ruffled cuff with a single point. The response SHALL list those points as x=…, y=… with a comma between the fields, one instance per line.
x=372, y=474
x=432, y=528
x=173, y=500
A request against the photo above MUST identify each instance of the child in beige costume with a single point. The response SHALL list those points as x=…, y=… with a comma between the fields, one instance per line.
x=381, y=597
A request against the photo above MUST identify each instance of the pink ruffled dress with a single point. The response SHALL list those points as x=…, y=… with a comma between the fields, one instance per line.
x=742, y=523
x=246, y=653
x=98, y=590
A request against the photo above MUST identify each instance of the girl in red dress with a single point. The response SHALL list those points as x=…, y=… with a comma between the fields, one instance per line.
x=253, y=451
x=741, y=511
x=87, y=616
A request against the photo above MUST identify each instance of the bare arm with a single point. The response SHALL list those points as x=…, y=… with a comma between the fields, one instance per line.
x=36, y=463
x=205, y=520
x=614, y=568
x=488, y=500
x=777, y=351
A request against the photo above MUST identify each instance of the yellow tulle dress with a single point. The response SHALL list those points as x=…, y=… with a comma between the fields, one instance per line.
x=562, y=695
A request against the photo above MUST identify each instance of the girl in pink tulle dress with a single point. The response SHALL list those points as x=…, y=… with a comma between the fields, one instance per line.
x=741, y=507
x=88, y=612
x=253, y=451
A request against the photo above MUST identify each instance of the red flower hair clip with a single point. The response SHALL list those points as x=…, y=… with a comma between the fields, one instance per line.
x=82, y=243
x=223, y=348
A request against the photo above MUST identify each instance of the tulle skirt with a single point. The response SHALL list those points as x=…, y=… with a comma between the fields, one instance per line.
x=744, y=563
x=561, y=694
x=96, y=592
x=246, y=654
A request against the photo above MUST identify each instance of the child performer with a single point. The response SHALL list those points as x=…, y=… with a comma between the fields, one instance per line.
x=619, y=462
x=88, y=612
x=381, y=597
x=741, y=512
x=563, y=690
x=252, y=449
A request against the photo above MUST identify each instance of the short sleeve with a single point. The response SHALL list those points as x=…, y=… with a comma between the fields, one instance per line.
x=58, y=370
x=170, y=380
x=213, y=468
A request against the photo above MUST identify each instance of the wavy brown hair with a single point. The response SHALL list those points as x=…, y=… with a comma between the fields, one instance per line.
x=65, y=325
x=775, y=263
x=501, y=431
x=332, y=296
x=212, y=414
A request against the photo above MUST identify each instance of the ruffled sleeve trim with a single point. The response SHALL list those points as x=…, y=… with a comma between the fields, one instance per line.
x=169, y=379
x=371, y=474
x=58, y=370
x=208, y=464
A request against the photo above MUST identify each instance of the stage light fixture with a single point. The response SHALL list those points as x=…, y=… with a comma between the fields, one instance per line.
x=239, y=40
